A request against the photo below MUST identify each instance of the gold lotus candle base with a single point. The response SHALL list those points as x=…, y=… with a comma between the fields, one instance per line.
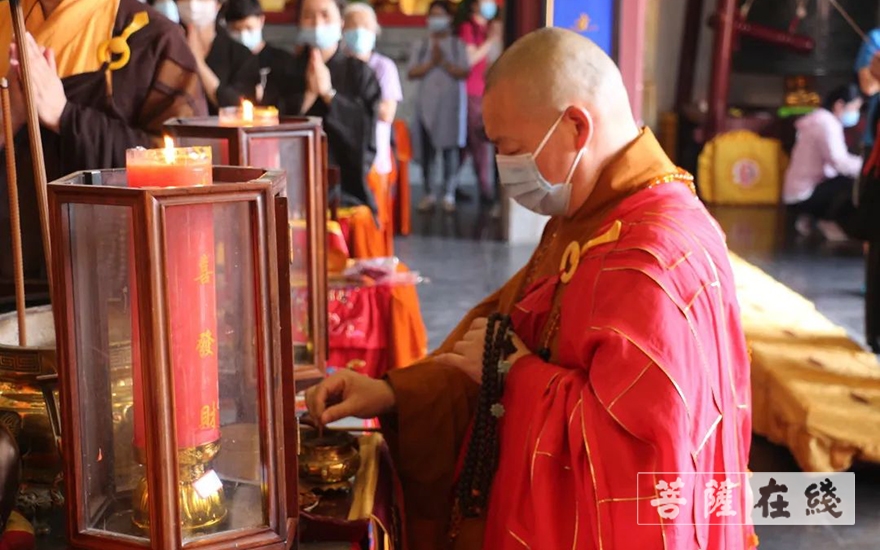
x=199, y=509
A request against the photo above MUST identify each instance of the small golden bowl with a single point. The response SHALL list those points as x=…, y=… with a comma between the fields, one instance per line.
x=331, y=458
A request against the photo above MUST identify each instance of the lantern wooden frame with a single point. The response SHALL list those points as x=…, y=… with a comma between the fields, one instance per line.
x=263, y=192
x=313, y=179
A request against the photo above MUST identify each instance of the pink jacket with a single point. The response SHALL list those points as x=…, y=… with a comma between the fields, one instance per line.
x=820, y=153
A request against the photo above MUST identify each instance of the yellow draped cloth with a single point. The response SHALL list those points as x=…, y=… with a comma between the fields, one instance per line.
x=814, y=390
x=75, y=30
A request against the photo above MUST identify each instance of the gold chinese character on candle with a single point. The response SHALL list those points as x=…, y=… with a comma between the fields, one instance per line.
x=205, y=271
x=205, y=345
x=209, y=417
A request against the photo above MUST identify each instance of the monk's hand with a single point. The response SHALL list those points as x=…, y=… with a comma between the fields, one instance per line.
x=467, y=354
x=347, y=393
x=48, y=90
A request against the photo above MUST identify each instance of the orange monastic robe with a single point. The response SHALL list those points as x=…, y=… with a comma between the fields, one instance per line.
x=648, y=373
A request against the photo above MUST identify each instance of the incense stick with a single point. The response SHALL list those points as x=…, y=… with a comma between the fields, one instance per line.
x=14, y=213
x=33, y=124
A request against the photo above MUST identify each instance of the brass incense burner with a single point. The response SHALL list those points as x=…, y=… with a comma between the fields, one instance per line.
x=331, y=457
x=22, y=404
x=29, y=404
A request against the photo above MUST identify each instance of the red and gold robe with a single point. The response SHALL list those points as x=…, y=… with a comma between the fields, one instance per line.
x=648, y=373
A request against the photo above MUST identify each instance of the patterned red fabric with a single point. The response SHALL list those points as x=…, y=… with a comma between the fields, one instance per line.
x=576, y=432
x=358, y=327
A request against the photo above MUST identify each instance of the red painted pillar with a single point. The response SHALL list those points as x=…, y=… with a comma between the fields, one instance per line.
x=523, y=17
x=690, y=43
x=721, y=57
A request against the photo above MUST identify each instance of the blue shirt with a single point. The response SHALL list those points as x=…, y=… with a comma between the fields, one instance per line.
x=866, y=52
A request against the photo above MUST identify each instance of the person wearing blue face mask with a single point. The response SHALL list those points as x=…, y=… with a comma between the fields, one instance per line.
x=322, y=81
x=168, y=8
x=359, y=35
x=244, y=22
x=481, y=34
x=820, y=177
x=440, y=63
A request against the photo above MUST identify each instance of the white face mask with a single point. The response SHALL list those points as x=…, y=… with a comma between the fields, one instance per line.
x=198, y=13
x=520, y=176
x=250, y=38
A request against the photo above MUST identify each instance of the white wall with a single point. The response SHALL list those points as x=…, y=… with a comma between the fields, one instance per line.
x=663, y=51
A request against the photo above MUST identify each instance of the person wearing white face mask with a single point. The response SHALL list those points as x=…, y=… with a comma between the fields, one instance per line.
x=617, y=350
x=323, y=81
x=439, y=62
x=229, y=71
x=245, y=21
x=359, y=36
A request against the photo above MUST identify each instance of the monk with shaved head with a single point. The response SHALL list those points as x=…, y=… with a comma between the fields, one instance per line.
x=600, y=399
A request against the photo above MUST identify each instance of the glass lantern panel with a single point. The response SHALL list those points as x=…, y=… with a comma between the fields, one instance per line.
x=216, y=356
x=103, y=285
x=290, y=153
x=219, y=148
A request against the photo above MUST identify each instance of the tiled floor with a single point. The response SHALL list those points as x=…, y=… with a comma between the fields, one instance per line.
x=464, y=263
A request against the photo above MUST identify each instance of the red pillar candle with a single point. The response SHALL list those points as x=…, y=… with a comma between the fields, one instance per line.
x=190, y=269
x=266, y=154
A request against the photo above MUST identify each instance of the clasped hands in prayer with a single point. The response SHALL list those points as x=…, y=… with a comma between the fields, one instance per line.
x=347, y=393
x=318, y=81
x=49, y=96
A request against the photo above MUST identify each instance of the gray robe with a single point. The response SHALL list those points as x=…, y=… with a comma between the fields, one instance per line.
x=441, y=100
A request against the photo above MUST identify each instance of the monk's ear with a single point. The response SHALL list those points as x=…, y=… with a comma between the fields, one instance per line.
x=583, y=123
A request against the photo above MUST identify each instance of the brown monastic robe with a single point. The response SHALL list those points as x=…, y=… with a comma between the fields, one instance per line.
x=107, y=112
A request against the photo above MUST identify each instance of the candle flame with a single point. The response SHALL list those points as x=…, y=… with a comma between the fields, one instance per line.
x=169, y=149
x=247, y=111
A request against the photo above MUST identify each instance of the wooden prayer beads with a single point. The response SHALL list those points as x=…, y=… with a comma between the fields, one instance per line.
x=481, y=459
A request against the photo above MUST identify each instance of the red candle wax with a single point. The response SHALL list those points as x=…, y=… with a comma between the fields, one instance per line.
x=189, y=265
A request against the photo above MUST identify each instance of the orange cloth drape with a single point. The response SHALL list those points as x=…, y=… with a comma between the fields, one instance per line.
x=408, y=341
x=365, y=238
x=409, y=336
x=380, y=184
x=402, y=199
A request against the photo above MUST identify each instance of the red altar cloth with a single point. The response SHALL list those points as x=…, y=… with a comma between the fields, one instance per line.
x=372, y=330
x=404, y=329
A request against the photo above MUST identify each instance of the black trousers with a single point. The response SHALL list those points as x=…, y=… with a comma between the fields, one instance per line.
x=831, y=200
x=872, y=296
x=868, y=215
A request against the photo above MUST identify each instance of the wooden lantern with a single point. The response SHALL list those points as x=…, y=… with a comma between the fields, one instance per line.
x=257, y=136
x=155, y=295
